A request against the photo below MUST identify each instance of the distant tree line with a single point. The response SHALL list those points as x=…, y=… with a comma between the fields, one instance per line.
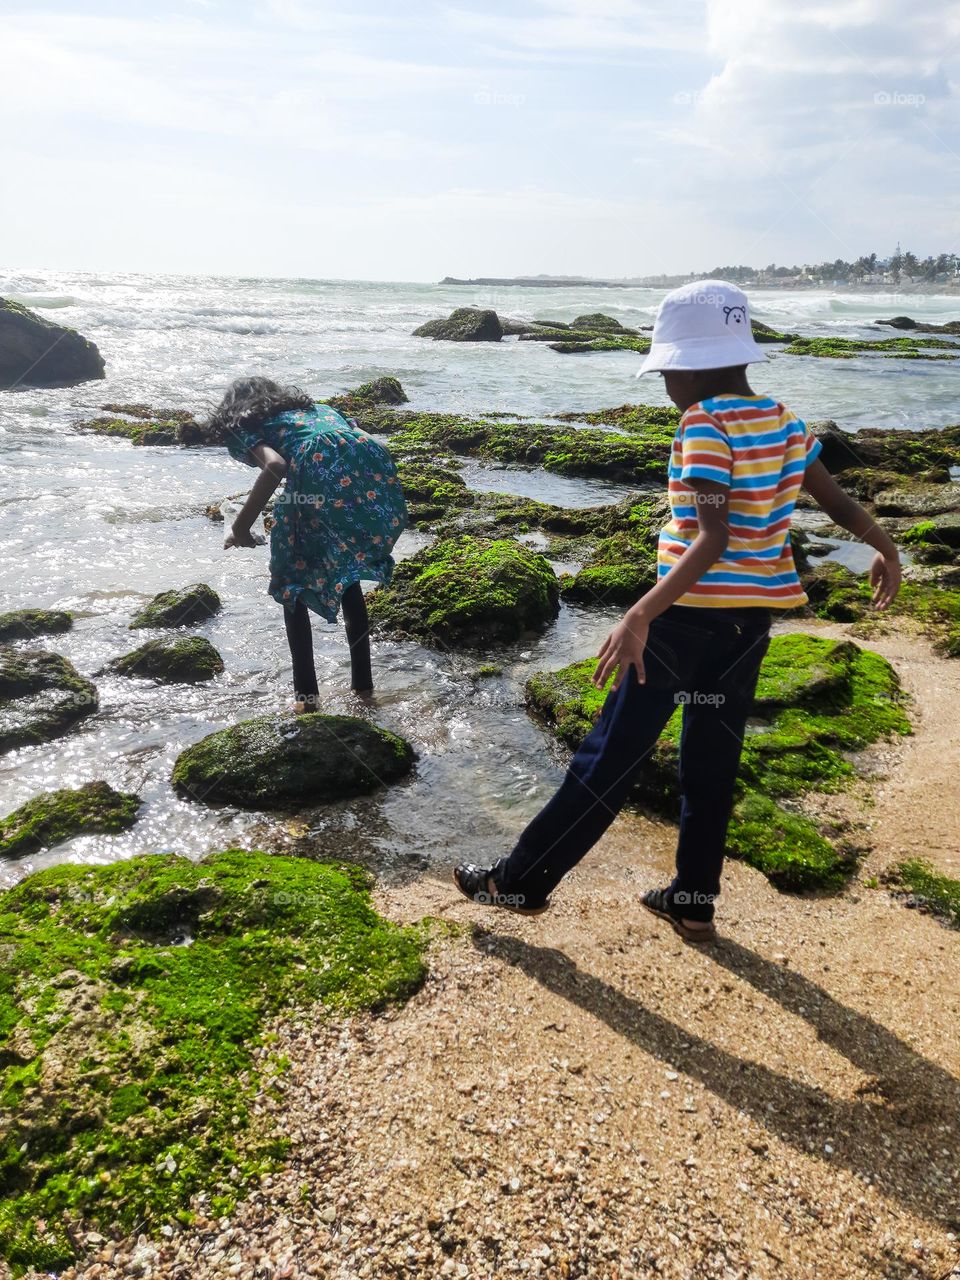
x=899, y=266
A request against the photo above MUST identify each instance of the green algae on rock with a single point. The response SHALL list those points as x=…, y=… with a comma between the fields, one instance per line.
x=907, y=453
x=130, y=1065
x=566, y=451
x=291, y=762
x=645, y=419
x=849, y=348
x=468, y=592
x=55, y=816
x=465, y=324
x=817, y=700
x=623, y=565
x=26, y=624
x=431, y=490
x=188, y=660
x=927, y=888
x=838, y=595
x=42, y=695
x=786, y=847
x=179, y=608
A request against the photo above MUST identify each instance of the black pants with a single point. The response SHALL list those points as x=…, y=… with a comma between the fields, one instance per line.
x=706, y=660
x=300, y=639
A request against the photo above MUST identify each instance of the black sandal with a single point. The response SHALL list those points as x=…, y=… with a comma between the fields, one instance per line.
x=659, y=903
x=472, y=880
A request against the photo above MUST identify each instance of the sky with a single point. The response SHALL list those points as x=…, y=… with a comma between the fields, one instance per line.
x=412, y=139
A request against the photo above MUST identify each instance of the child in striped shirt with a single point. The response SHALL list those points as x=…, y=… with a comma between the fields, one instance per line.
x=699, y=636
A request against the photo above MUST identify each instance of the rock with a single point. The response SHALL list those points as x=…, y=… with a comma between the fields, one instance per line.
x=835, y=593
x=917, y=499
x=381, y=391
x=467, y=592
x=189, y=660
x=34, y=352
x=179, y=608
x=55, y=816
x=142, y=425
x=431, y=490
x=42, y=695
x=764, y=333
x=466, y=324
x=904, y=322
x=596, y=321
x=905, y=452
x=130, y=1067
x=513, y=328
x=290, y=762
x=624, y=565
x=27, y=624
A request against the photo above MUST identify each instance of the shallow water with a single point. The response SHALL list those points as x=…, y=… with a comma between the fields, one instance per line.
x=98, y=526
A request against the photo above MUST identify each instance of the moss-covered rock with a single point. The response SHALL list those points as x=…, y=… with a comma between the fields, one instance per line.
x=387, y=390
x=467, y=593
x=182, y=607
x=129, y=1064
x=623, y=566
x=26, y=624
x=817, y=700
x=765, y=333
x=465, y=324
x=651, y=420
x=42, y=695
x=927, y=888
x=906, y=453
x=55, y=816
x=143, y=425
x=35, y=352
x=574, y=344
x=566, y=451
x=840, y=596
x=787, y=847
x=291, y=762
x=431, y=490
x=189, y=660
x=917, y=499
x=898, y=348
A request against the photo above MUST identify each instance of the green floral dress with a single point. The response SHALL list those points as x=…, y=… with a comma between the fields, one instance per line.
x=339, y=513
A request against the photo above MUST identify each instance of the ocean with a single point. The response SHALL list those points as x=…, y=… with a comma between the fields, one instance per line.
x=98, y=526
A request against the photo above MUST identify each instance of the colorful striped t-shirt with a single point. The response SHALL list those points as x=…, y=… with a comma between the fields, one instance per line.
x=760, y=450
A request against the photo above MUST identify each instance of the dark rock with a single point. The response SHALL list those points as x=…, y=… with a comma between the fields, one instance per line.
x=287, y=762
x=917, y=499
x=42, y=695
x=179, y=608
x=381, y=391
x=26, y=624
x=904, y=322
x=189, y=660
x=466, y=324
x=55, y=816
x=469, y=593
x=34, y=352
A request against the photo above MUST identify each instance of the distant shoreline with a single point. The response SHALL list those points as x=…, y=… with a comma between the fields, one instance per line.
x=671, y=282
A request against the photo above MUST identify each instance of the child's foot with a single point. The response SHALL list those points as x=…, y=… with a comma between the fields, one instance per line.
x=477, y=884
x=658, y=901
x=306, y=706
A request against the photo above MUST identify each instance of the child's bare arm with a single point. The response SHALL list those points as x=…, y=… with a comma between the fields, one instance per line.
x=273, y=470
x=848, y=514
x=624, y=646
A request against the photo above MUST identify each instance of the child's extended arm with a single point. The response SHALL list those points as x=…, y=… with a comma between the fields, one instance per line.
x=848, y=514
x=273, y=470
x=625, y=644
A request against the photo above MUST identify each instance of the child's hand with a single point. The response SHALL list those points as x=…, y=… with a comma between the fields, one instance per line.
x=622, y=649
x=885, y=576
x=239, y=537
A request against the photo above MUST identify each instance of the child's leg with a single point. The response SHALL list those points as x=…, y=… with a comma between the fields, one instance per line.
x=300, y=640
x=714, y=722
x=606, y=765
x=358, y=637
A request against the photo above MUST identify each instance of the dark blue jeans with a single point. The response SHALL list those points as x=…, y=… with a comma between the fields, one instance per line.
x=706, y=660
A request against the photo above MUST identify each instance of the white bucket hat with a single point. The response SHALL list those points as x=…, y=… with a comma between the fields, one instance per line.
x=703, y=325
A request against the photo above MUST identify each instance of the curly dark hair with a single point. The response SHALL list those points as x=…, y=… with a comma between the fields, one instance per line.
x=249, y=403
